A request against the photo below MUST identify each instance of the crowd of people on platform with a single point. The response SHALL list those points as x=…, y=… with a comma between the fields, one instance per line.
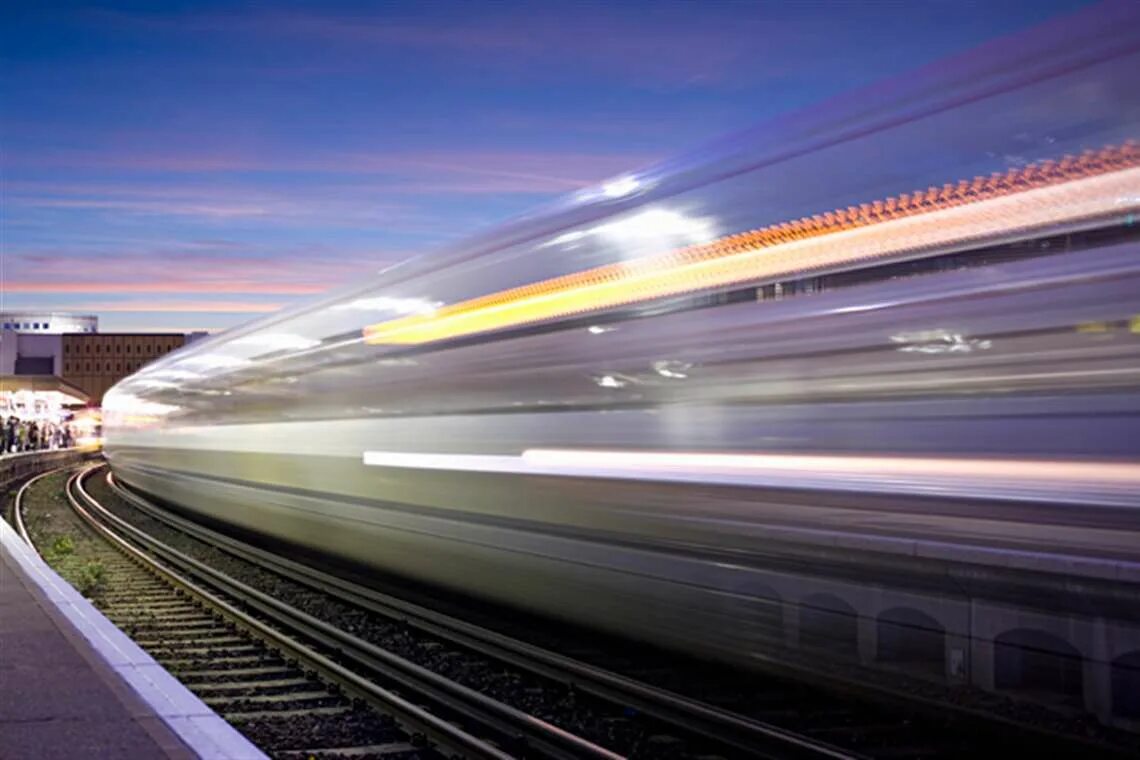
x=18, y=435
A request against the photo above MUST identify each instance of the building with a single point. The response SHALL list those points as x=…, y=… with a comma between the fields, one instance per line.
x=70, y=347
x=48, y=322
x=95, y=362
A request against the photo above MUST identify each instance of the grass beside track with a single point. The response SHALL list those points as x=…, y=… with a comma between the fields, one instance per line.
x=61, y=538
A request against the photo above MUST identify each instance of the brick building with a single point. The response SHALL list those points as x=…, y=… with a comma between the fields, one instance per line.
x=93, y=362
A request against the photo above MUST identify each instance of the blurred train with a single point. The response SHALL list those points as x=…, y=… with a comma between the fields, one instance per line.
x=912, y=314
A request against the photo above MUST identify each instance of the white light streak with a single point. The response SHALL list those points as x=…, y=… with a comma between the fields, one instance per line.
x=672, y=369
x=609, y=381
x=566, y=238
x=214, y=361
x=128, y=404
x=173, y=374
x=277, y=341
x=144, y=382
x=620, y=187
x=1015, y=480
x=659, y=226
x=654, y=227
x=395, y=305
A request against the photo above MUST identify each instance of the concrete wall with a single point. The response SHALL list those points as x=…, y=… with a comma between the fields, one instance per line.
x=42, y=346
x=9, y=341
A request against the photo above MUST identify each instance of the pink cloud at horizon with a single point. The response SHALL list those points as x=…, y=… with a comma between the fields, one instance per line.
x=290, y=272
x=223, y=307
x=165, y=287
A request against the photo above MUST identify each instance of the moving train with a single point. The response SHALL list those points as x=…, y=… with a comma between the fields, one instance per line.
x=909, y=317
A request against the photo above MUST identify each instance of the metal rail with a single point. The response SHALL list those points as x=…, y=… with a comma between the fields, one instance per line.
x=280, y=634
x=502, y=720
x=730, y=729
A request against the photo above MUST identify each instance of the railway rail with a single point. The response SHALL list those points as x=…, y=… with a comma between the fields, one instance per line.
x=287, y=696
x=310, y=664
x=278, y=672
x=618, y=714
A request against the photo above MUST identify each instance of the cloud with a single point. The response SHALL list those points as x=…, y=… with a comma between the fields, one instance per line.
x=189, y=270
x=148, y=206
x=463, y=172
x=217, y=203
x=624, y=44
x=159, y=286
x=225, y=307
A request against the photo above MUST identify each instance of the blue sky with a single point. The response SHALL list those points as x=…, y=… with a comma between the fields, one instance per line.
x=189, y=165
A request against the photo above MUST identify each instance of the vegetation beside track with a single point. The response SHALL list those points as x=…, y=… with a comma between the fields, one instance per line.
x=61, y=538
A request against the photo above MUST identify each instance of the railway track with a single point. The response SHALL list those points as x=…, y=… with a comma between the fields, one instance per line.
x=577, y=708
x=292, y=700
x=743, y=711
x=302, y=686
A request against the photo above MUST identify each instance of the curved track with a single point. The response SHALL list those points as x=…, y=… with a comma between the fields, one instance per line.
x=276, y=675
x=292, y=662
x=804, y=716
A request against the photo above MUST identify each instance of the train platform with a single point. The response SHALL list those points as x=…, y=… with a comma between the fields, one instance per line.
x=73, y=685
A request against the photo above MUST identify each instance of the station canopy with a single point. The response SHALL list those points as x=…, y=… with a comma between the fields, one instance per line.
x=44, y=397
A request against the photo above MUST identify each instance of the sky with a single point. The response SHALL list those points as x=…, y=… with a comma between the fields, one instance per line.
x=189, y=166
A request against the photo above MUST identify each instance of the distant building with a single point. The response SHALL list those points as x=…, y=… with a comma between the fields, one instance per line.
x=95, y=362
x=31, y=363
x=70, y=347
x=48, y=322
